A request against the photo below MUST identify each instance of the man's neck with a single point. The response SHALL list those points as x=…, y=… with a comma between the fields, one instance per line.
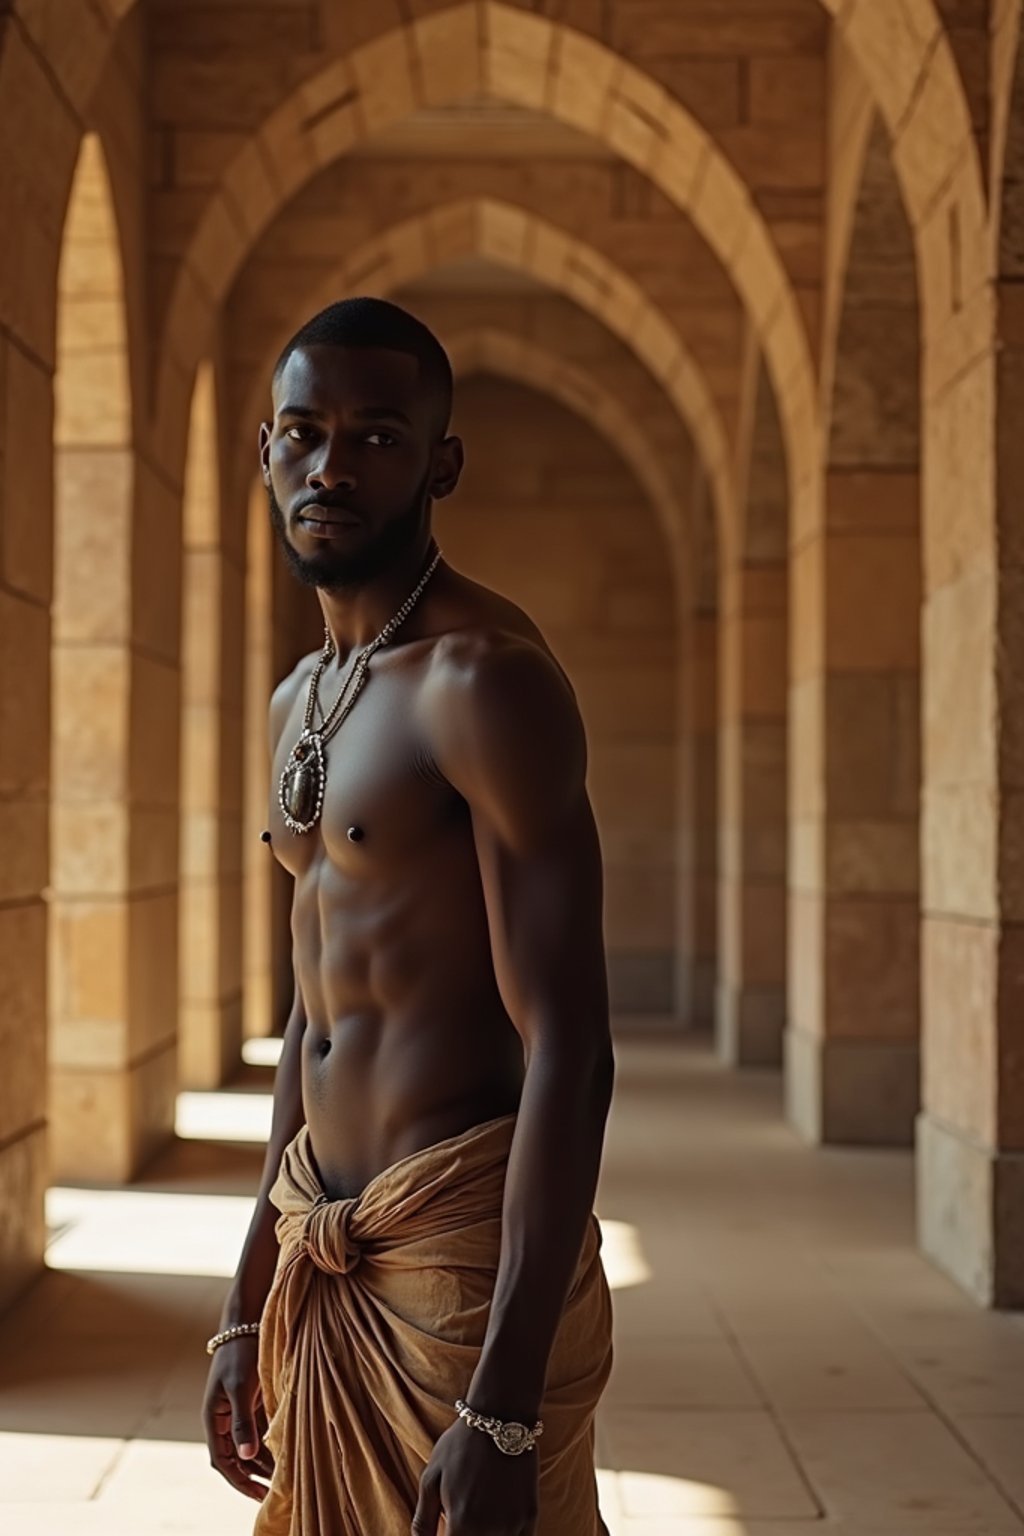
x=356, y=615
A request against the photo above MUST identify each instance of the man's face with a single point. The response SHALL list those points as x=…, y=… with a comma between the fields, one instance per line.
x=351, y=461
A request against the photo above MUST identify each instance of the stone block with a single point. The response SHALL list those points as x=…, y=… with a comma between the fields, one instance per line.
x=805, y=756
x=959, y=704
x=878, y=576
x=878, y=500
x=90, y=847
x=960, y=995
x=786, y=91
x=765, y=658
x=639, y=907
x=154, y=748
x=872, y=745
x=23, y=1181
x=89, y=983
x=807, y=611
x=153, y=854
x=959, y=530
x=640, y=981
x=749, y=1025
x=23, y=938
x=26, y=477
x=650, y=28
x=94, y=540
x=24, y=835
x=763, y=919
x=960, y=849
x=872, y=961
x=851, y=1093
x=209, y=1043
x=517, y=55
x=153, y=972
x=24, y=699
x=90, y=721
x=105, y=1126
x=970, y=1201
x=878, y=858
x=448, y=45
x=805, y=961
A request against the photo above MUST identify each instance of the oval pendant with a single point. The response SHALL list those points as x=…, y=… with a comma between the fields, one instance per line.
x=301, y=789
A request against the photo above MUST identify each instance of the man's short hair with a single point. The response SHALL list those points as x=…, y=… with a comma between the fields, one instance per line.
x=366, y=322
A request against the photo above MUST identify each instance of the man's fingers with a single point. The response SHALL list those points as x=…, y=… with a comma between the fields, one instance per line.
x=428, y=1505
x=243, y=1424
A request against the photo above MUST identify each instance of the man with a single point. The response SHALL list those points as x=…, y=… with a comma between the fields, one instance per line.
x=437, y=1302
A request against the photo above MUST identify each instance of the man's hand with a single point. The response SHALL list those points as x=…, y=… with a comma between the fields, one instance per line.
x=479, y=1490
x=234, y=1419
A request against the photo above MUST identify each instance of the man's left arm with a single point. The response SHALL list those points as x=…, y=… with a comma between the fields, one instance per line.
x=508, y=736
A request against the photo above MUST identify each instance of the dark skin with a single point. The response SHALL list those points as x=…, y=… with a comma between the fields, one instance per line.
x=450, y=964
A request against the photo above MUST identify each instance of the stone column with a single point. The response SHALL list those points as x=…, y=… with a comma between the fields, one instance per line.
x=258, y=861
x=852, y=1053
x=697, y=863
x=751, y=994
x=210, y=971
x=113, y=917
x=970, y=1134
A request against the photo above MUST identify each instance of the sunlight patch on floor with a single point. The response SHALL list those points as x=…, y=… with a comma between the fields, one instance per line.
x=623, y=1255
x=224, y=1116
x=265, y=1051
x=136, y=1232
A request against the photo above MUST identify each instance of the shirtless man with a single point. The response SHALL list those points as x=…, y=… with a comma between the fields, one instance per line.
x=447, y=927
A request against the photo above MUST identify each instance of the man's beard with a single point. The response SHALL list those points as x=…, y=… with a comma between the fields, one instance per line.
x=333, y=569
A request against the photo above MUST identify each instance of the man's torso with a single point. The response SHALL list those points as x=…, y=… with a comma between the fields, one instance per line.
x=407, y=1040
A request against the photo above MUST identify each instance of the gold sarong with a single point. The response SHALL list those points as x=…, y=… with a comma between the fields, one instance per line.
x=373, y=1328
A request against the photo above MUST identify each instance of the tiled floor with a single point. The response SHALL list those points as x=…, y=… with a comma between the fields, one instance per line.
x=787, y=1364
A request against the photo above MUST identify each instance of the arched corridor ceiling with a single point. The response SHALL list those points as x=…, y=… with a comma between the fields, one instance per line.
x=512, y=238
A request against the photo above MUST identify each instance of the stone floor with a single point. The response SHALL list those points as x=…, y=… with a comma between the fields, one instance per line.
x=787, y=1364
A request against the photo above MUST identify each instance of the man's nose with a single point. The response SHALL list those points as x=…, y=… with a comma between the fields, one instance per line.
x=333, y=470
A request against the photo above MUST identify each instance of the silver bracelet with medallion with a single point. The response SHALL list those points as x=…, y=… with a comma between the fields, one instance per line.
x=510, y=1437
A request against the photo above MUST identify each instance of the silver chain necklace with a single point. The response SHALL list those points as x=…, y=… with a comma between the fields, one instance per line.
x=304, y=778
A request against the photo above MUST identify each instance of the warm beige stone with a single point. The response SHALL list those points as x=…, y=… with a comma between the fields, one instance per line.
x=107, y=1125
x=23, y=1178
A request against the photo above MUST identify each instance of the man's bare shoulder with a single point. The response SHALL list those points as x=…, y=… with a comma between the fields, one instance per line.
x=504, y=726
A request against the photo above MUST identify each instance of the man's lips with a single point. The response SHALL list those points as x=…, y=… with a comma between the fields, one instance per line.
x=318, y=519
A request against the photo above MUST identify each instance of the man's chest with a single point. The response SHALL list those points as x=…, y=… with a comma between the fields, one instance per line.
x=370, y=788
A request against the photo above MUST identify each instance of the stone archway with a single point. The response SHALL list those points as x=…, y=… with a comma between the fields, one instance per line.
x=515, y=238
x=524, y=60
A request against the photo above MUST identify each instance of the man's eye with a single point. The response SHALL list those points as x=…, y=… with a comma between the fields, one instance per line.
x=297, y=434
x=381, y=439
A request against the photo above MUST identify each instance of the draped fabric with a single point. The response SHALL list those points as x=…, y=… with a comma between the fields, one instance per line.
x=373, y=1328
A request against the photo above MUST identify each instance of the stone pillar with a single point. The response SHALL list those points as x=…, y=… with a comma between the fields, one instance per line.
x=970, y=1134
x=750, y=1008
x=852, y=1047
x=258, y=861
x=751, y=992
x=26, y=469
x=213, y=683
x=113, y=917
x=696, y=952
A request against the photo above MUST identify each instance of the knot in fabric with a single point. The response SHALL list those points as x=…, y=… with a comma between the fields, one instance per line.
x=327, y=1236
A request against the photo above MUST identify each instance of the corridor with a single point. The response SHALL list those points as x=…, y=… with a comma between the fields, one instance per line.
x=787, y=1362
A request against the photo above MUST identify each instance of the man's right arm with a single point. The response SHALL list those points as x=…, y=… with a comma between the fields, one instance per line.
x=251, y=1285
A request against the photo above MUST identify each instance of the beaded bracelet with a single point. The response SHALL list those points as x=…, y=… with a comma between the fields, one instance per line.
x=226, y=1335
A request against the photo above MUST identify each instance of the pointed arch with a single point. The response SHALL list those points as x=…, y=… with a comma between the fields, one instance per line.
x=519, y=239
x=525, y=60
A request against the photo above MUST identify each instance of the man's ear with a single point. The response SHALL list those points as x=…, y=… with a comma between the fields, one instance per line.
x=264, y=444
x=448, y=466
